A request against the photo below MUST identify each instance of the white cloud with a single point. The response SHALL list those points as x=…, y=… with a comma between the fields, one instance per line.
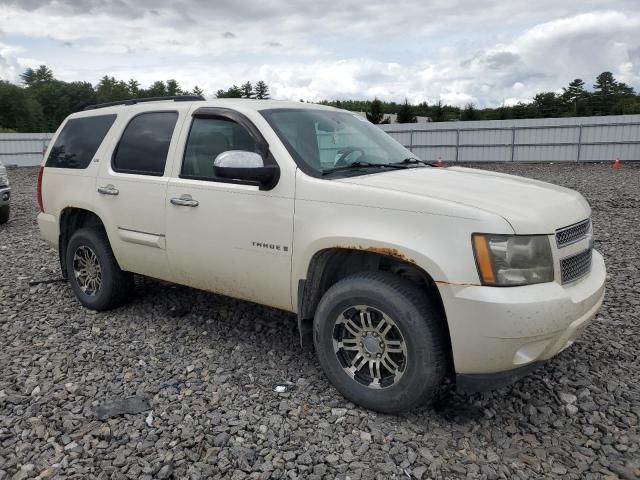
x=460, y=51
x=10, y=64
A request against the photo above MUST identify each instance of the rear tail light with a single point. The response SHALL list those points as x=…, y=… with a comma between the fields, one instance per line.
x=39, y=190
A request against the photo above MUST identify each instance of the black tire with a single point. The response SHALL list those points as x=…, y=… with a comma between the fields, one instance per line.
x=420, y=323
x=5, y=210
x=116, y=285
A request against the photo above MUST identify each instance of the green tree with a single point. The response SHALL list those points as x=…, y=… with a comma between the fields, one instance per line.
x=607, y=92
x=575, y=98
x=133, y=86
x=157, y=89
x=406, y=113
x=574, y=91
x=262, y=90
x=437, y=112
x=111, y=90
x=47, y=101
x=80, y=95
x=375, y=114
x=422, y=109
x=53, y=97
x=605, y=84
x=19, y=111
x=173, y=89
x=546, y=104
x=629, y=105
x=522, y=110
x=469, y=113
x=603, y=90
x=197, y=91
x=32, y=77
x=247, y=90
x=233, y=92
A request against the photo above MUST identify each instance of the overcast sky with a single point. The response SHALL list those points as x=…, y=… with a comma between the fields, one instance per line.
x=461, y=51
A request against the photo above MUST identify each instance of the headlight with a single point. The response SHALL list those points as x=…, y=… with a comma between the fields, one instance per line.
x=510, y=260
x=4, y=180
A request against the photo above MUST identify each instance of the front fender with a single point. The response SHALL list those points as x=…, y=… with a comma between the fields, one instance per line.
x=439, y=245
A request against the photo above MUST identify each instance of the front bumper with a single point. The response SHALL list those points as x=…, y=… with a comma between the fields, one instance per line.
x=497, y=329
x=5, y=196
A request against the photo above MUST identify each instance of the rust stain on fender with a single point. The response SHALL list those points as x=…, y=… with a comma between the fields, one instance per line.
x=390, y=252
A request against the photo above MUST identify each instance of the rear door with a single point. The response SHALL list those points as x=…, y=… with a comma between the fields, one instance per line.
x=131, y=191
x=230, y=238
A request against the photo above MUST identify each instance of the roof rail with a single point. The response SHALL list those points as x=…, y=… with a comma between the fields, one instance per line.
x=133, y=101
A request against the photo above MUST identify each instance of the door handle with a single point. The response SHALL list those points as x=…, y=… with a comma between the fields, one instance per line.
x=184, y=201
x=108, y=190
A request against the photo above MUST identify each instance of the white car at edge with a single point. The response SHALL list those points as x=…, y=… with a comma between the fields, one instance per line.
x=401, y=273
x=5, y=195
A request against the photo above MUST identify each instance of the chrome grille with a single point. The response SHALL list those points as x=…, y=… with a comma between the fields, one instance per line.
x=573, y=233
x=575, y=266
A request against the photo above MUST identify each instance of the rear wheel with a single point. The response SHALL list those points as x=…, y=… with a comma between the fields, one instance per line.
x=93, y=271
x=381, y=342
x=5, y=210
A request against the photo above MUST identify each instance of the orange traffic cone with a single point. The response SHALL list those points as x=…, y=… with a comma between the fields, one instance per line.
x=439, y=162
x=616, y=164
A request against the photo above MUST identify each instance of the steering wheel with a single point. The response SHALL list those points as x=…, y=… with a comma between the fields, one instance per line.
x=345, y=152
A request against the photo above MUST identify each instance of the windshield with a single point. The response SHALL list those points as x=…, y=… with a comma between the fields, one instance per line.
x=323, y=140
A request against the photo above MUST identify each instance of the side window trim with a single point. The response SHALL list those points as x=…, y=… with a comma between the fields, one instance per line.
x=138, y=172
x=240, y=119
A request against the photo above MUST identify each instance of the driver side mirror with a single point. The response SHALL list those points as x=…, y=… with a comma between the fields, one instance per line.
x=246, y=166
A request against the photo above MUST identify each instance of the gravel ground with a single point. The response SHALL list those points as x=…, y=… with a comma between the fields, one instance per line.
x=207, y=365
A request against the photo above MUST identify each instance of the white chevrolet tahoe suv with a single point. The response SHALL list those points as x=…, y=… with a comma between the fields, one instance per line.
x=401, y=274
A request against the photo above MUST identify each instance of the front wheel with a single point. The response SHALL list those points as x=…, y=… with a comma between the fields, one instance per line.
x=381, y=342
x=93, y=271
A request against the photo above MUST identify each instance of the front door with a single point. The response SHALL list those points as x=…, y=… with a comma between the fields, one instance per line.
x=224, y=236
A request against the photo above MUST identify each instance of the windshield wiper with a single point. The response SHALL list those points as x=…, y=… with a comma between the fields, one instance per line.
x=414, y=160
x=357, y=165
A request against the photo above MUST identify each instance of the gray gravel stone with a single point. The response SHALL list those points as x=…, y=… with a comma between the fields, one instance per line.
x=165, y=472
x=215, y=414
x=568, y=398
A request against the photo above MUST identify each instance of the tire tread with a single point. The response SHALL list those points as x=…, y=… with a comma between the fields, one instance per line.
x=428, y=310
x=120, y=283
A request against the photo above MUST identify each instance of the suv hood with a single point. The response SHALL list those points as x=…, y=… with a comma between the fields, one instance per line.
x=530, y=206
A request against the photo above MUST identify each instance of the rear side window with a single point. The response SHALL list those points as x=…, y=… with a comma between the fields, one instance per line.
x=78, y=141
x=144, y=145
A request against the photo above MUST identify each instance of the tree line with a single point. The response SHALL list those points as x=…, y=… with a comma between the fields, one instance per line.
x=608, y=96
x=246, y=90
x=41, y=102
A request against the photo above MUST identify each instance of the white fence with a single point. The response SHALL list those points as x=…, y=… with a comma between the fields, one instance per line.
x=580, y=139
x=23, y=149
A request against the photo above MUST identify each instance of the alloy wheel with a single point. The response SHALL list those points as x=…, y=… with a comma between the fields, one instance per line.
x=87, y=270
x=370, y=346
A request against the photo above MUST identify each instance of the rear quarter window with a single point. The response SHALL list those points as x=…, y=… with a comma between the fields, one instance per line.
x=79, y=141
